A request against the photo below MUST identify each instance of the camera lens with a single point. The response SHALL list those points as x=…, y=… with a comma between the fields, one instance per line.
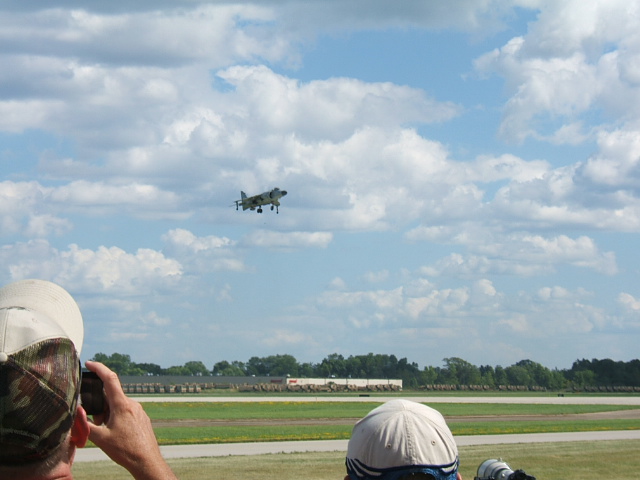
x=494, y=469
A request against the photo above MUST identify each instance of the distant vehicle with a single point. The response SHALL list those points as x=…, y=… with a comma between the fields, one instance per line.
x=257, y=201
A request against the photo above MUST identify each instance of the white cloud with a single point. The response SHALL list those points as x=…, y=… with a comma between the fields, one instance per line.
x=567, y=65
x=202, y=254
x=41, y=226
x=154, y=320
x=117, y=111
x=329, y=109
x=22, y=211
x=617, y=164
x=283, y=338
x=203, y=32
x=629, y=302
x=141, y=200
x=517, y=253
x=464, y=306
x=338, y=284
x=106, y=269
x=270, y=239
x=376, y=277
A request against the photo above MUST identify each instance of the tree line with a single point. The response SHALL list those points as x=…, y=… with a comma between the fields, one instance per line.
x=455, y=371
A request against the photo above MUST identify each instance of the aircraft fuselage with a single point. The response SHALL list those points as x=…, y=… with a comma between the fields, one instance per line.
x=271, y=197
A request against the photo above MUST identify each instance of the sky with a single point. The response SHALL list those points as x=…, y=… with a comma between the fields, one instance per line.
x=463, y=177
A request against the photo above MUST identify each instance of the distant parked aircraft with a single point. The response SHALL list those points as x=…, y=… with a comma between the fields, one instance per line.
x=257, y=201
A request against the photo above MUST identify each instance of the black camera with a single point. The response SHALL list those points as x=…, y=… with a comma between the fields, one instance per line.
x=496, y=469
x=92, y=393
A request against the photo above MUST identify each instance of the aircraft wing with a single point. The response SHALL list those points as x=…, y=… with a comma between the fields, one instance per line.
x=257, y=201
x=254, y=201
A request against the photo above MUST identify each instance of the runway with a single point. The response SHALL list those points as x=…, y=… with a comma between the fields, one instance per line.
x=223, y=450
x=217, y=450
x=564, y=400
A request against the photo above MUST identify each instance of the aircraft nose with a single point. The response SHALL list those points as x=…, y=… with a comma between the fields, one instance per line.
x=283, y=192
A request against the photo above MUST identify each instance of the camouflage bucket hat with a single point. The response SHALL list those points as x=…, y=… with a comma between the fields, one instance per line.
x=41, y=334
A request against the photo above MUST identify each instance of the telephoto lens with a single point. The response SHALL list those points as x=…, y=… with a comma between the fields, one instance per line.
x=496, y=469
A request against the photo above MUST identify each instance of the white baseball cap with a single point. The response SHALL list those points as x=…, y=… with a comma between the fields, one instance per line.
x=402, y=437
x=55, y=312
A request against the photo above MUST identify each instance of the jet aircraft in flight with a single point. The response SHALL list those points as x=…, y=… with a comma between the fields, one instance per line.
x=257, y=201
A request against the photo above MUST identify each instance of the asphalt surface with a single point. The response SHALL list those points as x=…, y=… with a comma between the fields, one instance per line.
x=216, y=450
x=566, y=400
x=223, y=450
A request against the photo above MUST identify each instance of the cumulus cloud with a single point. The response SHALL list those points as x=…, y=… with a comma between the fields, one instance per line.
x=205, y=101
x=479, y=310
x=376, y=277
x=567, y=65
x=329, y=109
x=270, y=239
x=130, y=37
x=104, y=270
x=24, y=210
x=142, y=200
x=202, y=254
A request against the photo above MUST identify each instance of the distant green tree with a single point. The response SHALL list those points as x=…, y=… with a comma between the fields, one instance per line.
x=428, y=376
x=307, y=370
x=500, y=376
x=487, y=375
x=282, y=365
x=118, y=362
x=196, y=368
x=596, y=372
x=233, y=369
x=518, y=376
x=333, y=365
x=557, y=380
x=178, y=371
x=149, y=368
x=409, y=373
x=256, y=366
x=462, y=371
x=584, y=378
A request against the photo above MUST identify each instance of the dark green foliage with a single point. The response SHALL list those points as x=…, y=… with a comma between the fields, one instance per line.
x=456, y=371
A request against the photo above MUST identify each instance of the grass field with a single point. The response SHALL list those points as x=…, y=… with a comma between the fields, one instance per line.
x=276, y=414
x=551, y=461
x=310, y=409
x=566, y=461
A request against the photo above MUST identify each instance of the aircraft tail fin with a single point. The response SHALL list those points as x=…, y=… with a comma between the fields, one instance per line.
x=245, y=205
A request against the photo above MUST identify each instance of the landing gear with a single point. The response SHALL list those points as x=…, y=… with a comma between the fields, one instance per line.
x=259, y=210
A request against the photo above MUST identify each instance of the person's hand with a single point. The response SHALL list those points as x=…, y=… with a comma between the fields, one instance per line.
x=124, y=431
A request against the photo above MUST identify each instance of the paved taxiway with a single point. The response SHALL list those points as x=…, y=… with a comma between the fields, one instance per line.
x=216, y=450
x=566, y=400
x=223, y=450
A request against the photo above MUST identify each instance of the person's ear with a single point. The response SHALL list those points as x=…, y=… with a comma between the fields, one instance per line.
x=80, y=428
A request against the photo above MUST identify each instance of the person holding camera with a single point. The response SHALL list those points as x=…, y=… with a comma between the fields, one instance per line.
x=402, y=440
x=42, y=422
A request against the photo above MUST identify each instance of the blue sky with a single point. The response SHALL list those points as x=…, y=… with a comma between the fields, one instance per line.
x=463, y=176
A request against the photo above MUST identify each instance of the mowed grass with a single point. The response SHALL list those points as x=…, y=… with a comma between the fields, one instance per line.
x=553, y=461
x=308, y=409
x=275, y=411
x=566, y=461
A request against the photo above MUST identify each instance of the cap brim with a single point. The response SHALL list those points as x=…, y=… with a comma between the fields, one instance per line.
x=50, y=300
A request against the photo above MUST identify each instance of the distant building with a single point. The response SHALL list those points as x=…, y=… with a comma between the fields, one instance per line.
x=163, y=384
